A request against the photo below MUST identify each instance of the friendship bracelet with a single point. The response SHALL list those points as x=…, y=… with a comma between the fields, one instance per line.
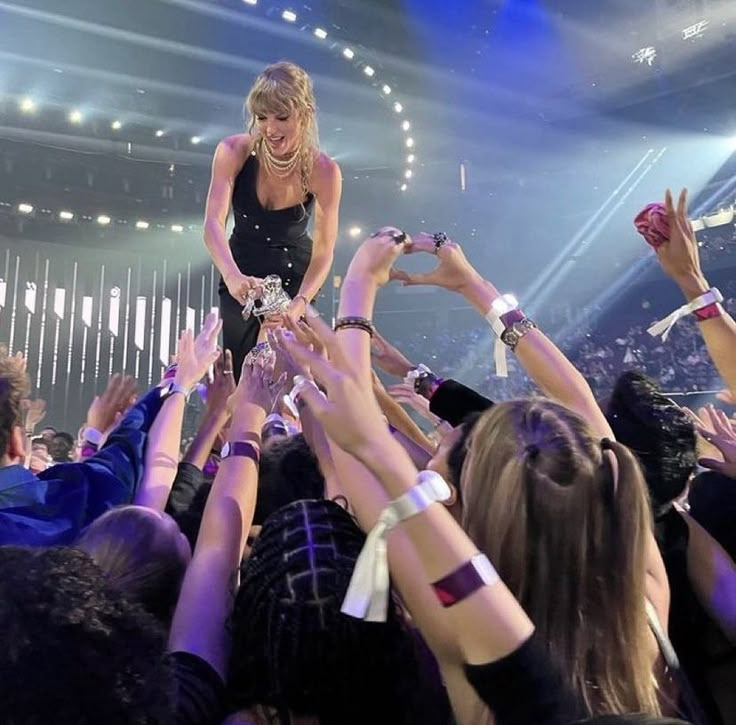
x=356, y=323
x=465, y=580
x=368, y=594
x=707, y=299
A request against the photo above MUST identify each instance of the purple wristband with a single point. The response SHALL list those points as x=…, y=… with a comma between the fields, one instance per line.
x=461, y=583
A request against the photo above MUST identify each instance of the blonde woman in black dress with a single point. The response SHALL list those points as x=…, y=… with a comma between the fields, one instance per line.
x=275, y=179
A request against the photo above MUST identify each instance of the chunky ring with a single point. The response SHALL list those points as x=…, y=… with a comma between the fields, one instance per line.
x=227, y=372
x=399, y=238
x=440, y=239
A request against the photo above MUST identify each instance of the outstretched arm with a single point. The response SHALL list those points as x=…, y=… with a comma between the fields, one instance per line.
x=162, y=452
x=541, y=358
x=680, y=260
x=205, y=602
x=230, y=155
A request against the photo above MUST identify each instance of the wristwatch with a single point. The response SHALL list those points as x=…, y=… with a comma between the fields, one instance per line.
x=414, y=377
x=511, y=335
x=170, y=388
x=240, y=448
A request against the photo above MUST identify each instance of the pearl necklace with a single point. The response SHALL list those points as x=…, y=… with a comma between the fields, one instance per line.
x=281, y=168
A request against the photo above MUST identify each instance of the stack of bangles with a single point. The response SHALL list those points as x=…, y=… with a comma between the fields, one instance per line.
x=355, y=323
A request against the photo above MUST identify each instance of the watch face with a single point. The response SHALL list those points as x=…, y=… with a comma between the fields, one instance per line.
x=225, y=450
x=166, y=389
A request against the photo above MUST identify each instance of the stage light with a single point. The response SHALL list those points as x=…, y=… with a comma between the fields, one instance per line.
x=195, y=140
x=386, y=89
x=403, y=187
x=645, y=55
x=398, y=107
x=694, y=31
x=140, y=224
x=75, y=116
x=116, y=125
x=251, y=2
x=160, y=133
x=369, y=71
x=408, y=174
x=103, y=220
x=66, y=216
x=348, y=53
x=27, y=105
x=405, y=126
x=410, y=143
x=24, y=208
x=733, y=142
x=289, y=16
x=410, y=159
x=355, y=232
x=320, y=33
x=178, y=228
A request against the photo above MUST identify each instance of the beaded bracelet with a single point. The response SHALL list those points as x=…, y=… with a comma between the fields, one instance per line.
x=356, y=323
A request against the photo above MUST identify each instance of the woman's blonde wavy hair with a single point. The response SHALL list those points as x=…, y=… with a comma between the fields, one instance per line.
x=285, y=88
x=568, y=535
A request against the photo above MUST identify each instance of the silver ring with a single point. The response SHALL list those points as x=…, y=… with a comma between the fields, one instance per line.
x=399, y=238
x=227, y=372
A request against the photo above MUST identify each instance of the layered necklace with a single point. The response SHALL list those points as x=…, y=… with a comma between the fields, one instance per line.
x=280, y=167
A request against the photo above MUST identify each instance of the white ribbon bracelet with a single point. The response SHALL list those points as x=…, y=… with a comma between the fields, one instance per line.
x=500, y=306
x=664, y=327
x=290, y=400
x=368, y=593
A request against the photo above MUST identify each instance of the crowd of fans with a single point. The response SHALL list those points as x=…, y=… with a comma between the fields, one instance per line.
x=312, y=555
x=681, y=365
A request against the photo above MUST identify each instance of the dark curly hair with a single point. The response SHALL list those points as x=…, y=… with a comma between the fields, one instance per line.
x=289, y=471
x=658, y=432
x=296, y=652
x=14, y=386
x=75, y=652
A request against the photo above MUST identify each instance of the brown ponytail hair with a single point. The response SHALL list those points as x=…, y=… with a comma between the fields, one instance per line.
x=564, y=517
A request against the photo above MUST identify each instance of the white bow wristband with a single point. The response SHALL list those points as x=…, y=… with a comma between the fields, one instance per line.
x=664, y=326
x=500, y=306
x=367, y=595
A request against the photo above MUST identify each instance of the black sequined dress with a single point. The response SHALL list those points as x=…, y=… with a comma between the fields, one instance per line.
x=263, y=242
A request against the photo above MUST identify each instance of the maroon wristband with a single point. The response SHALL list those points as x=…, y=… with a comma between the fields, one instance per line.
x=709, y=312
x=511, y=317
x=471, y=576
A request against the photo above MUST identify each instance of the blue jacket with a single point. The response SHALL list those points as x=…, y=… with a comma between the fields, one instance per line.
x=53, y=507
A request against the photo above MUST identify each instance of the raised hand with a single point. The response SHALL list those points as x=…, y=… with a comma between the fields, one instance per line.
x=404, y=393
x=377, y=254
x=679, y=255
x=716, y=428
x=453, y=271
x=194, y=356
x=255, y=388
x=222, y=386
x=105, y=409
x=240, y=285
x=349, y=414
x=35, y=413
